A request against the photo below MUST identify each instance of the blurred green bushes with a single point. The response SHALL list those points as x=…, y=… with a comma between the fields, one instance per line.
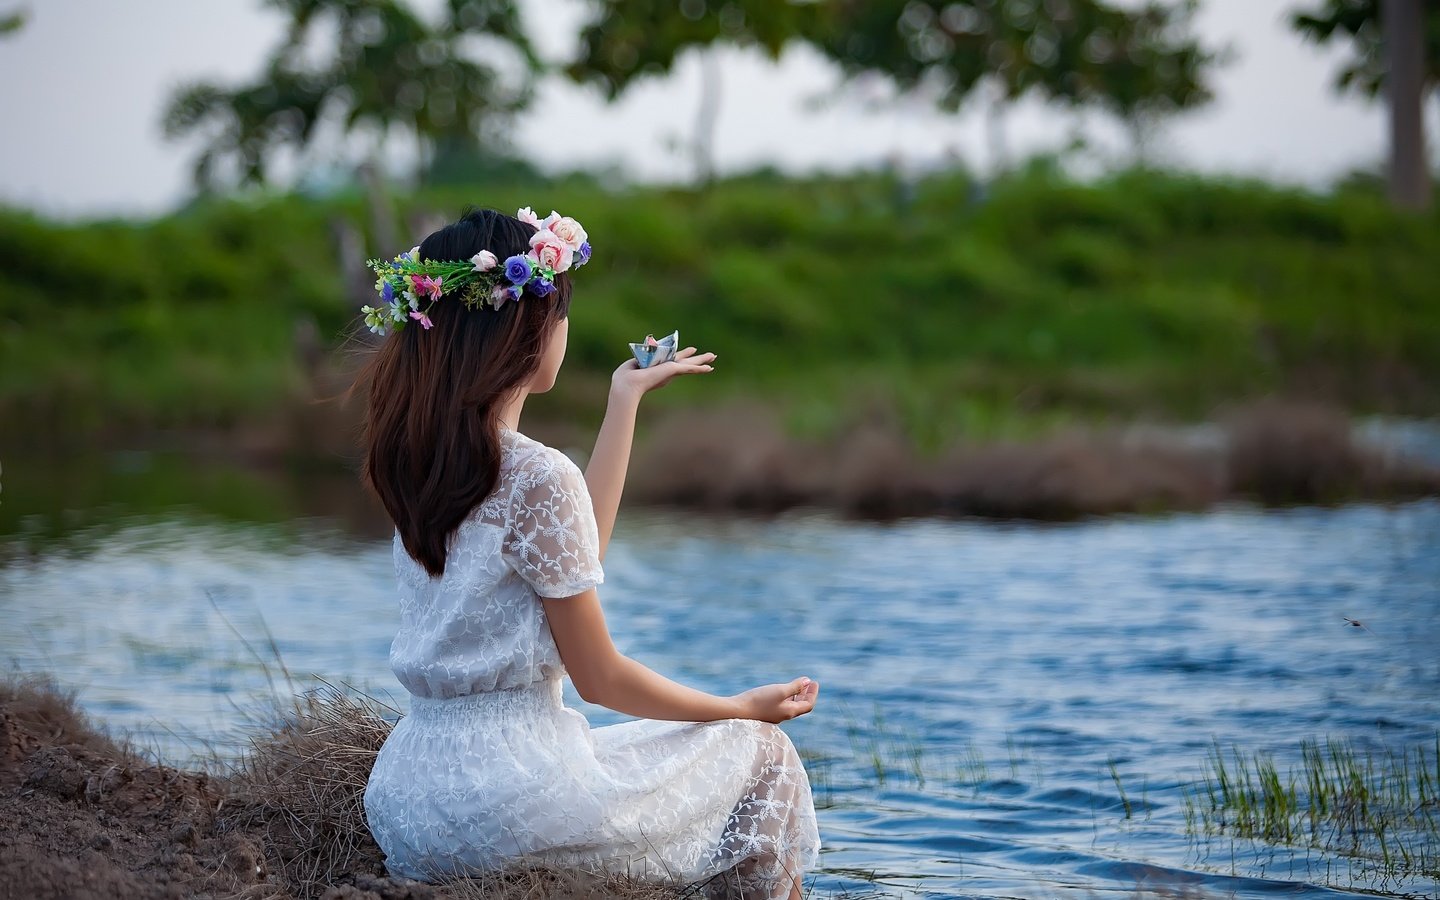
x=949, y=309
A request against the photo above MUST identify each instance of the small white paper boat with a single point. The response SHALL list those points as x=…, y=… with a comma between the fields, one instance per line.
x=650, y=352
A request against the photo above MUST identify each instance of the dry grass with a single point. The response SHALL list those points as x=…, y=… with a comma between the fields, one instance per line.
x=1285, y=453
x=35, y=711
x=1275, y=452
x=302, y=784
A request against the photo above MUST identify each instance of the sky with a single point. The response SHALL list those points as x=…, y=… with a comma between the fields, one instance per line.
x=89, y=80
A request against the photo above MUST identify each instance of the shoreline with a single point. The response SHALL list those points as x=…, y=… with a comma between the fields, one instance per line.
x=740, y=459
x=86, y=816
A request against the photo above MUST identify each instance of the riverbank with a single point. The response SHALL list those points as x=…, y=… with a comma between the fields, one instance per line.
x=84, y=816
x=742, y=459
x=954, y=311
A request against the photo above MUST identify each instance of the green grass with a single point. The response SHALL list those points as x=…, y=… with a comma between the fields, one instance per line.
x=1050, y=302
x=1380, y=809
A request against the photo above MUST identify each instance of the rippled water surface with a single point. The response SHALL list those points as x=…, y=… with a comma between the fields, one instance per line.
x=989, y=691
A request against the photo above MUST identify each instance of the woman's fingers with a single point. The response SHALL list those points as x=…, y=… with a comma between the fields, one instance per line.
x=689, y=355
x=804, y=701
x=692, y=364
x=686, y=362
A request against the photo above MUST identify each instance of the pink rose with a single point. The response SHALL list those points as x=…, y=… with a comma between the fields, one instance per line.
x=569, y=231
x=484, y=261
x=527, y=215
x=551, y=252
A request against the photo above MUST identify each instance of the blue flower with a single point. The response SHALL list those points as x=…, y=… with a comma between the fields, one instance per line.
x=542, y=287
x=582, y=256
x=518, y=269
x=387, y=292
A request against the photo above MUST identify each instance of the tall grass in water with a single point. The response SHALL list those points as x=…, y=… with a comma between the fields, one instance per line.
x=1380, y=809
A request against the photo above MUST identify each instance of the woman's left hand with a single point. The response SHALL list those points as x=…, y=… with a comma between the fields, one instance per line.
x=632, y=382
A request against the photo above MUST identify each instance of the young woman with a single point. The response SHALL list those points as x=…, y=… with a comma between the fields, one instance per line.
x=498, y=548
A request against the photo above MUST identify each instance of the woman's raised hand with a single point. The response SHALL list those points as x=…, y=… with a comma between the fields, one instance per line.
x=778, y=702
x=633, y=382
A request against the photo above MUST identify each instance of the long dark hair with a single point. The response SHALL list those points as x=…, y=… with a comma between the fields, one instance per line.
x=432, y=428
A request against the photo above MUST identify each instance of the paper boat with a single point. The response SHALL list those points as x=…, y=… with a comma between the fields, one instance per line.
x=650, y=352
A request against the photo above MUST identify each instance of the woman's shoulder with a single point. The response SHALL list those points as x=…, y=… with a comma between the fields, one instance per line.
x=531, y=462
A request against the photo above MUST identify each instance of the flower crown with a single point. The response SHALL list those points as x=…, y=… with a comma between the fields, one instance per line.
x=559, y=244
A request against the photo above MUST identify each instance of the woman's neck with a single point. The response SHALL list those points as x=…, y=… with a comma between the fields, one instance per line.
x=510, y=410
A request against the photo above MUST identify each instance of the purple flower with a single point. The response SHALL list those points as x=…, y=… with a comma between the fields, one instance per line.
x=387, y=291
x=503, y=292
x=518, y=269
x=582, y=256
x=543, y=287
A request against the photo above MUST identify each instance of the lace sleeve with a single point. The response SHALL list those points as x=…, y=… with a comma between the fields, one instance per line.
x=551, y=538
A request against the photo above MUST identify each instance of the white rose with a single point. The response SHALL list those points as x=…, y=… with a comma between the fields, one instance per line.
x=484, y=261
x=527, y=215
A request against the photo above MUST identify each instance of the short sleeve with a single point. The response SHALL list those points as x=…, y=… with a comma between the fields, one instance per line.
x=550, y=535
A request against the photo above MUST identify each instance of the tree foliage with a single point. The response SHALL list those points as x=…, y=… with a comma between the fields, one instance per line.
x=627, y=39
x=12, y=22
x=389, y=68
x=1358, y=21
x=1132, y=61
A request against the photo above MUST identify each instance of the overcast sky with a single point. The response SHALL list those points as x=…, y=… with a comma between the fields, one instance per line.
x=85, y=81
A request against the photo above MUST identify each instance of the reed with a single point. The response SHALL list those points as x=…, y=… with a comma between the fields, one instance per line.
x=1377, y=808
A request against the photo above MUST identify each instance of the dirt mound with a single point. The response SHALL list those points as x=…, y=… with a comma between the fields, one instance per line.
x=84, y=816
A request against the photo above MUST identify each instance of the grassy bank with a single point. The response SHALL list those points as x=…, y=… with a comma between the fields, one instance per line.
x=960, y=313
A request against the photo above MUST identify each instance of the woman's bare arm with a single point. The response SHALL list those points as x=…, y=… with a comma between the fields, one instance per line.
x=605, y=676
x=605, y=473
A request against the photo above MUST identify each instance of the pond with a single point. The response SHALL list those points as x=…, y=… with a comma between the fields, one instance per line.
x=1007, y=709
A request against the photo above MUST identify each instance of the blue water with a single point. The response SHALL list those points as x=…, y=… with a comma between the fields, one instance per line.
x=979, y=680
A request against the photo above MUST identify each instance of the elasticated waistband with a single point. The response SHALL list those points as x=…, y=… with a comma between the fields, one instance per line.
x=539, y=695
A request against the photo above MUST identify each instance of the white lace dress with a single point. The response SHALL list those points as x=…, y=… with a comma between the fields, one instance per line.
x=490, y=768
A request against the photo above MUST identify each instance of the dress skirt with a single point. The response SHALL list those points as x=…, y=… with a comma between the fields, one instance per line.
x=481, y=782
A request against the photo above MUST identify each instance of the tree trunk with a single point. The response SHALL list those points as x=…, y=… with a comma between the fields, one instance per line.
x=995, y=132
x=1402, y=21
x=382, y=215
x=707, y=116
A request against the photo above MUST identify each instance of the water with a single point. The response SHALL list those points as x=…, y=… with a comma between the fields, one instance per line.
x=979, y=680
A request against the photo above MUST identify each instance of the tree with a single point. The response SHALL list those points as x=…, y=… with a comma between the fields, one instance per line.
x=1399, y=37
x=1136, y=63
x=624, y=40
x=1358, y=21
x=389, y=69
x=12, y=22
